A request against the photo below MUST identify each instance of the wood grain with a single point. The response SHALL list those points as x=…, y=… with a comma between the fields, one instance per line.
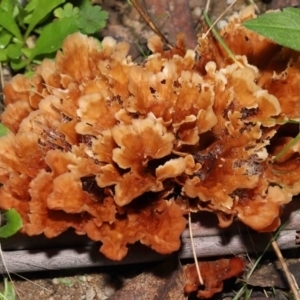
x=29, y=254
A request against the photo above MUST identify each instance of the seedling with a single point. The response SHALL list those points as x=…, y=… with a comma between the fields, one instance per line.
x=29, y=34
x=8, y=293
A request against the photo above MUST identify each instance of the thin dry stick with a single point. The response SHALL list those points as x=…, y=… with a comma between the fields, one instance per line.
x=150, y=23
x=247, y=254
x=8, y=274
x=220, y=40
x=285, y=269
x=194, y=252
x=40, y=286
x=255, y=6
x=207, y=6
x=215, y=22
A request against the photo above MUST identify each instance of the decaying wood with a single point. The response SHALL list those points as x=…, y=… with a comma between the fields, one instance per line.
x=27, y=254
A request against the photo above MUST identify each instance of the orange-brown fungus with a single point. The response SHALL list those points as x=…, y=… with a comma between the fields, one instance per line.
x=213, y=273
x=100, y=144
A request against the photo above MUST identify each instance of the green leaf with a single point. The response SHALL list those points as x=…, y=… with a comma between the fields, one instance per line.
x=27, y=51
x=49, y=42
x=22, y=16
x=7, y=22
x=13, y=223
x=283, y=27
x=13, y=51
x=91, y=19
x=84, y=3
x=8, y=5
x=42, y=9
x=18, y=64
x=68, y=11
x=3, y=56
x=5, y=38
x=31, y=5
x=3, y=130
x=9, y=292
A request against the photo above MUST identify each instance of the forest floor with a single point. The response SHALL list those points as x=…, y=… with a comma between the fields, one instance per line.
x=125, y=24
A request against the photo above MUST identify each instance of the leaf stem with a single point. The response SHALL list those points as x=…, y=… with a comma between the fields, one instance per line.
x=220, y=40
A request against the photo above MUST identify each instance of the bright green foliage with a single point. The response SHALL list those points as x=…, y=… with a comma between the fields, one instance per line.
x=13, y=223
x=50, y=22
x=68, y=11
x=49, y=42
x=3, y=130
x=283, y=27
x=8, y=293
x=43, y=8
x=91, y=18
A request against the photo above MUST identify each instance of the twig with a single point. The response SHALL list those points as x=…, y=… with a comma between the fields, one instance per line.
x=194, y=252
x=8, y=274
x=255, y=6
x=217, y=20
x=285, y=269
x=150, y=23
x=34, y=283
x=220, y=40
x=207, y=6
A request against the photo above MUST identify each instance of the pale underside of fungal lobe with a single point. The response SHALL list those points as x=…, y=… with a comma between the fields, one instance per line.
x=120, y=151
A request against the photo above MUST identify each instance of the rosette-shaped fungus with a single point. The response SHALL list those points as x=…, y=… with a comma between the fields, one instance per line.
x=120, y=151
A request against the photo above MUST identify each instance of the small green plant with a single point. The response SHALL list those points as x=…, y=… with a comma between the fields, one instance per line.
x=13, y=223
x=30, y=33
x=8, y=292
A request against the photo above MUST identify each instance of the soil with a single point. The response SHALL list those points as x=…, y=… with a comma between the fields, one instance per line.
x=125, y=24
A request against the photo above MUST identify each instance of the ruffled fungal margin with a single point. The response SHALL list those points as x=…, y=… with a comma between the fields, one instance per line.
x=213, y=273
x=120, y=151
